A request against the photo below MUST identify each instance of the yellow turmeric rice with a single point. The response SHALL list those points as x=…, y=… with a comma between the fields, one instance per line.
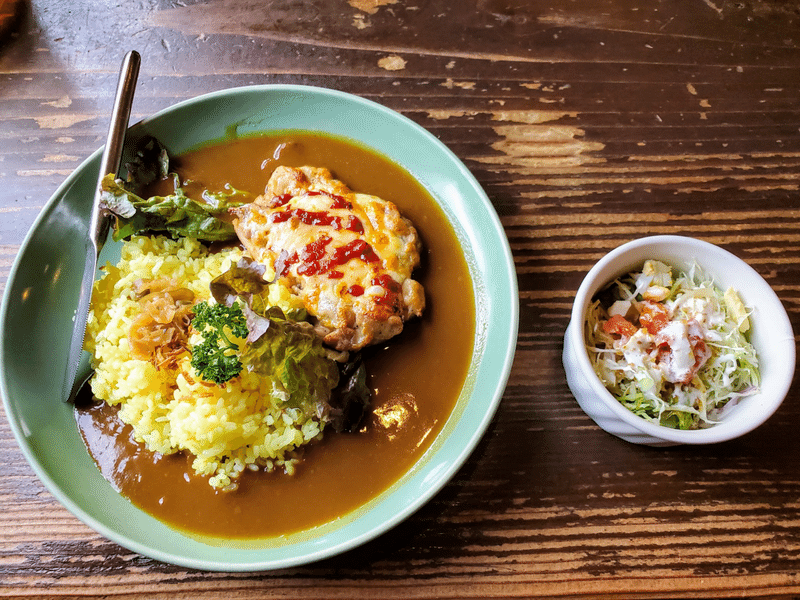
x=243, y=424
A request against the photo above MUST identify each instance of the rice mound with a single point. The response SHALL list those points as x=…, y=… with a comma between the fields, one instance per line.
x=241, y=425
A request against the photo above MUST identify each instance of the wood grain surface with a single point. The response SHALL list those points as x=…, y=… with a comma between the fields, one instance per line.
x=588, y=123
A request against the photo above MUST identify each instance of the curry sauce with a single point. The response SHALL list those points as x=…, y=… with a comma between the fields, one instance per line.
x=415, y=378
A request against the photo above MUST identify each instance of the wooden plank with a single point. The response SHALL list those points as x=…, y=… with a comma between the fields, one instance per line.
x=588, y=124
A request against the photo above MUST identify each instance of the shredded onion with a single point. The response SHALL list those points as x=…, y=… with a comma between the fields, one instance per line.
x=160, y=333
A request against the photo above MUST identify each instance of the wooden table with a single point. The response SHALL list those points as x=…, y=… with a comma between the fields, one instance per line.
x=588, y=123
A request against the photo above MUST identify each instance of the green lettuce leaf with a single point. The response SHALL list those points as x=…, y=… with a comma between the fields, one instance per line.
x=245, y=280
x=350, y=399
x=175, y=214
x=150, y=163
x=292, y=353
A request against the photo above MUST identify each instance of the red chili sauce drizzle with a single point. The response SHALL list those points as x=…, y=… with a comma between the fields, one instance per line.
x=313, y=258
x=317, y=217
x=315, y=261
x=390, y=285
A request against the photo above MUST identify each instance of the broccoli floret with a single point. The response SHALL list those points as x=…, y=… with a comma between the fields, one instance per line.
x=216, y=358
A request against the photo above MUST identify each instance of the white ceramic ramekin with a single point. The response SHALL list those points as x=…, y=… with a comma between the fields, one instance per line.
x=772, y=337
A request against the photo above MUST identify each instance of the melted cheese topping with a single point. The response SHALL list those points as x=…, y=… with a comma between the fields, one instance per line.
x=348, y=256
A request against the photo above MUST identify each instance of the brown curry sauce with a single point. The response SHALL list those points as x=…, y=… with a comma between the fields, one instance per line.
x=415, y=377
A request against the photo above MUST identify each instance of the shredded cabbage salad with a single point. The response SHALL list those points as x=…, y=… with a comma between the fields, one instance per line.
x=674, y=351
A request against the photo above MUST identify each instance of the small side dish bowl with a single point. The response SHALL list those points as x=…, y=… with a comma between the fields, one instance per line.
x=771, y=335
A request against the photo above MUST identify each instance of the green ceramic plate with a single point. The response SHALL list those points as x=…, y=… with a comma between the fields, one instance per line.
x=41, y=295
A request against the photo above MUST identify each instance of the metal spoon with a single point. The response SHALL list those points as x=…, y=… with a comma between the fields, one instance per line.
x=99, y=223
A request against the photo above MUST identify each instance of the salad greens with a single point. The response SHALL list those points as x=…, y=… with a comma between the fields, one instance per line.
x=175, y=214
x=291, y=353
x=674, y=351
x=150, y=163
x=350, y=399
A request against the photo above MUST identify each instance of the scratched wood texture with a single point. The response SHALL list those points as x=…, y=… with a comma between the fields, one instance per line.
x=589, y=123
